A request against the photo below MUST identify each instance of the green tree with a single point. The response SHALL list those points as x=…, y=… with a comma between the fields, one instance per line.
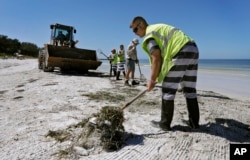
x=14, y=46
x=29, y=49
x=3, y=43
x=8, y=45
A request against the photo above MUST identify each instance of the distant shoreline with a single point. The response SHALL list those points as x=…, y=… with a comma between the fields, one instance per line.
x=231, y=83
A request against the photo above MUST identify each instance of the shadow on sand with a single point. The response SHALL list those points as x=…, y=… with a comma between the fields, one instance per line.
x=90, y=73
x=230, y=129
x=213, y=95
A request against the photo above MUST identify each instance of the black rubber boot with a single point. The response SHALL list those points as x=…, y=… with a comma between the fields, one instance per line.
x=193, y=112
x=115, y=73
x=167, y=111
x=118, y=75
x=126, y=83
x=134, y=82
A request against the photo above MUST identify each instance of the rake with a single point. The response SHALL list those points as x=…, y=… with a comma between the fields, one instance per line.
x=101, y=52
x=142, y=77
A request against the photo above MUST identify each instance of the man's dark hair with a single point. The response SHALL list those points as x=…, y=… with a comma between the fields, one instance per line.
x=139, y=19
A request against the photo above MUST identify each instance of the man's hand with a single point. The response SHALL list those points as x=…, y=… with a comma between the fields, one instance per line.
x=110, y=59
x=151, y=85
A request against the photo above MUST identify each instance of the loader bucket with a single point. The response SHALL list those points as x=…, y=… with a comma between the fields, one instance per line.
x=71, y=58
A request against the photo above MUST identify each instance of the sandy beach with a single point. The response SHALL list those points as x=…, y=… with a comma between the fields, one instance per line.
x=33, y=102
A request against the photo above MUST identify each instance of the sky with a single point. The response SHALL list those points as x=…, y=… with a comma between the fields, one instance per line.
x=221, y=28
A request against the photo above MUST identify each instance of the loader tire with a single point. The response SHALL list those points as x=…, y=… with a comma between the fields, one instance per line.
x=40, y=65
x=47, y=69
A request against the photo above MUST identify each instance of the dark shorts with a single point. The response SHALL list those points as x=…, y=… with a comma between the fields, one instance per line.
x=130, y=64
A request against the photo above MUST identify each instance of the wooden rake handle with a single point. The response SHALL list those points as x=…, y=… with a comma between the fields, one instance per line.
x=128, y=103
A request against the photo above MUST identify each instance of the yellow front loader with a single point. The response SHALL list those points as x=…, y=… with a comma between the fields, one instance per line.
x=62, y=53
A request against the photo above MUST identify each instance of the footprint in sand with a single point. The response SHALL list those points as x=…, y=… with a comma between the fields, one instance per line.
x=18, y=97
x=2, y=92
x=20, y=90
x=20, y=85
x=32, y=80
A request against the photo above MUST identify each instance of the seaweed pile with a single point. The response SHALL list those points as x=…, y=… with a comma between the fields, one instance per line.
x=107, y=132
x=112, y=129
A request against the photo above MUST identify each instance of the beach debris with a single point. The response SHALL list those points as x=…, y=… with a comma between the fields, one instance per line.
x=59, y=135
x=111, y=119
x=101, y=131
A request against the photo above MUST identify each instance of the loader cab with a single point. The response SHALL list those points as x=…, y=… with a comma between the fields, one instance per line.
x=62, y=35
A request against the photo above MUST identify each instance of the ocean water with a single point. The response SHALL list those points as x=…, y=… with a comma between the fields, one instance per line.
x=218, y=64
x=236, y=66
x=230, y=77
x=225, y=65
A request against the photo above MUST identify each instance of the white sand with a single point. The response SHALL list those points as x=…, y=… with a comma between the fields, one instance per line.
x=33, y=102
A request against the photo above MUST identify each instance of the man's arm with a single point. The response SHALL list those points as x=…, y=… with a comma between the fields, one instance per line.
x=130, y=50
x=156, y=62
